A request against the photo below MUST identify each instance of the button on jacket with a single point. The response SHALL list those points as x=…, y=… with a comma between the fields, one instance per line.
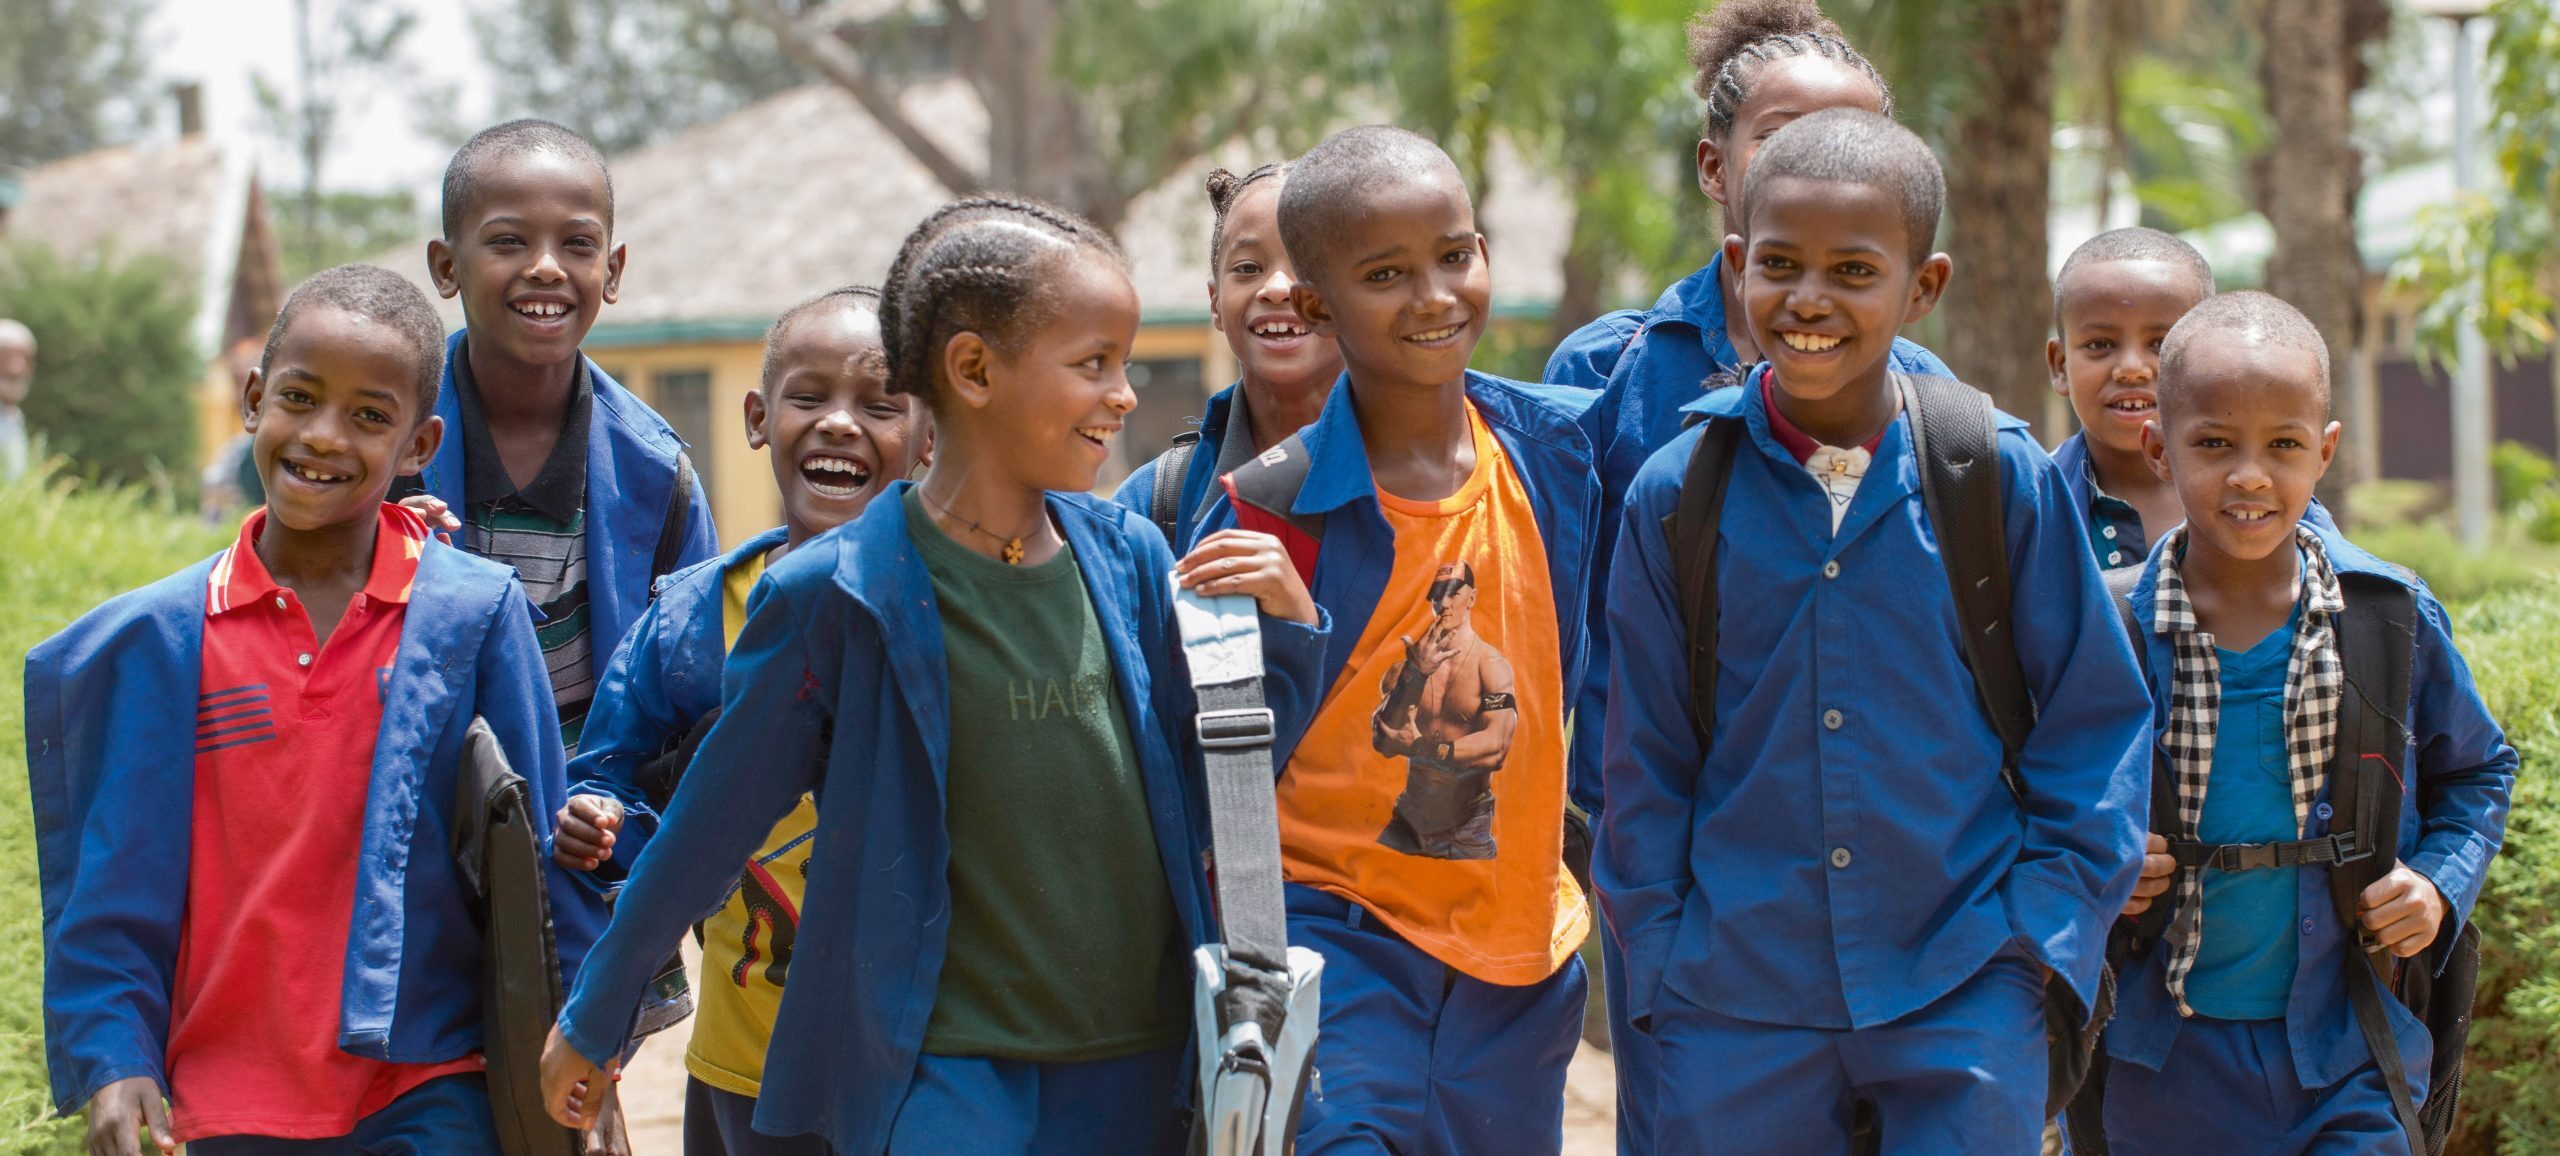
x=1846, y=851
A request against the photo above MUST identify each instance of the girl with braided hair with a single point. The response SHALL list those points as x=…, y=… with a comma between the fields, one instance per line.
x=979, y=680
x=1284, y=368
x=1760, y=65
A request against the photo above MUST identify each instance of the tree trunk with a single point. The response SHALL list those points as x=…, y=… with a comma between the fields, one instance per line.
x=1999, y=306
x=1037, y=141
x=1578, y=300
x=2310, y=173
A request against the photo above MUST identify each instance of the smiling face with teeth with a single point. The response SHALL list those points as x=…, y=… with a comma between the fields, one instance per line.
x=2244, y=436
x=1040, y=409
x=838, y=435
x=1828, y=279
x=1251, y=301
x=334, y=418
x=1403, y=287
x=2113, y=317
x=533, y=264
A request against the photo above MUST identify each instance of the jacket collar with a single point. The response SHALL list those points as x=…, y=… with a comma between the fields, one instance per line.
x=1338, y=471
x=1697, y=300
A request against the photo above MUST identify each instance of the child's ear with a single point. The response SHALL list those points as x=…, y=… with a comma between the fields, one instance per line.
x=613, y=273
x=1311, y=305
x=1928, y=283
x=2329, y=446
x=440, y=268
x=423, y=442
x=1711, y=170
x=1217, y=321
x=755, y=420
x=1733, y=249
x=252, y=391
x=967, y=364
x=2155, y=449
x=2053, y=365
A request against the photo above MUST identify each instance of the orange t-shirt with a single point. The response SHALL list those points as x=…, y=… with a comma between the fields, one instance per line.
x=1430, y=788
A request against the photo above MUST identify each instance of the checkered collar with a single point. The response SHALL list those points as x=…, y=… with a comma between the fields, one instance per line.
x=2313, y=682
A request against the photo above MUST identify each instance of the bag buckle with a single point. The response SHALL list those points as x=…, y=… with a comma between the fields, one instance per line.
x=1229, y=729
x=2350, y=847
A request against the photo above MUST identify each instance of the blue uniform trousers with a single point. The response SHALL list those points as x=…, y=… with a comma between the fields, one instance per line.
x=2230, y=1086
x=446, y=1116
x=1965, y=1074
x=1632, y=1053
x=1416, y=1058
x=721, y=1123
x=1122, y=1107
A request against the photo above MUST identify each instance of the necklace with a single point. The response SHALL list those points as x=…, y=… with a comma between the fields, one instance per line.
x=1012, y=547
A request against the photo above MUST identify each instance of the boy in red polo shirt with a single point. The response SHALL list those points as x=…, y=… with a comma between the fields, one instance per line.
x=291, y=961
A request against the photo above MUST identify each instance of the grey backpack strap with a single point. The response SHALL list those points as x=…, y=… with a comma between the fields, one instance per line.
x=1954, y=433
x=1255, y=997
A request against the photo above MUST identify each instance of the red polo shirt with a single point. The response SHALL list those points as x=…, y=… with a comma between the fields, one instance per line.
x=284, y=761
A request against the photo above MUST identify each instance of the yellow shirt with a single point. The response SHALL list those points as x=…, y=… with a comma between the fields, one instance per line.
x=1430, y=788
x=746, y=945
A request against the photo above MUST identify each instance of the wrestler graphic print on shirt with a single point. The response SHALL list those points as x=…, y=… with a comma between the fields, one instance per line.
x=1450, y=714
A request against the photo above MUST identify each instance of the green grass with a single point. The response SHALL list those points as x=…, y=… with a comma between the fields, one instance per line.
x=66, y=549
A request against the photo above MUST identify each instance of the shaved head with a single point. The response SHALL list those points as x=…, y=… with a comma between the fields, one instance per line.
x=1337, y=179
x=2246, y=317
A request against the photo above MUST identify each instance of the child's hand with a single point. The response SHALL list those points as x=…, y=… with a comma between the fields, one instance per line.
x=608, y=1136
x=2404, y=911
x=439, y=516
x=2158, y=869
x=1244, y=562
x=119, y=1112
x=573, y=1087
x=585, y=837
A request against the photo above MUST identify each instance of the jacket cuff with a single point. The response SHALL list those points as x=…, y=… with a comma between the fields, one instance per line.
x=2060, y=930
x=76, y=1102
x=2459, y=889
x=1286, y=641
x=1645, y=954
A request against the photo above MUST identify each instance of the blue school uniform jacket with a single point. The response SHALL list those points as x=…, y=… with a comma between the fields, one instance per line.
x=631, y=468
x=1845, y=852
x=843, y=640
x=111, y=766
x=2453, y=815
x=1536, y=425
x=1646, y=366
x=663, y=678
x=1199, y=475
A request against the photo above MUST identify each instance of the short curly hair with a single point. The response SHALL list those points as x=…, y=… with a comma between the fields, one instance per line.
x=382, y=297
x=1729, y=43
x=848, y=295
x=2134, y=243
x=488, y=146
x=1851, y=146
x=2250, y=316
x=977, y=265
x=1331, y=186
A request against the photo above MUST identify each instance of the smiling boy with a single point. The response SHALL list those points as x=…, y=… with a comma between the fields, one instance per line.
x=1835, y=899
x=2236, y=1031
x=1423, y=819
x=284, y=952
x=2114, y=302
x=552, y=467
x=837, y=437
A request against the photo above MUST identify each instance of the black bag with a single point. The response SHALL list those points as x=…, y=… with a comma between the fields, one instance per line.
x=497, y=842
x=2376, y=646
x=1164, y=505
x=1954, y=435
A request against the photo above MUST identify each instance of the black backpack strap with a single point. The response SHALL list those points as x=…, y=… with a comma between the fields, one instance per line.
x=1692, y=527
x=1164, y=506
x=1954, y=434
x=671, y=532
x=2376, y=640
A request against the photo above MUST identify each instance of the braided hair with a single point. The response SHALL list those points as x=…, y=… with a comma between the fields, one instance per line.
x=977, y=265
x=1728, y=44
x=847, y=295
x=1225, y=189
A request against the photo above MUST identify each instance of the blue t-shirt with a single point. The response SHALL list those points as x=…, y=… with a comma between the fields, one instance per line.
x=2244, y=969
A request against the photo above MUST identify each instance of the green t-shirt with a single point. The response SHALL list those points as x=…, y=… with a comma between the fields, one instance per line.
x=1063, y=943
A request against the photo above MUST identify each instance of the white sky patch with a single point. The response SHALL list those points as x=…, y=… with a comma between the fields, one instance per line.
x=380, y=143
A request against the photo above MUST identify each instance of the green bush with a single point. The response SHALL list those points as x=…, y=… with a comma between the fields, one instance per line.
x=2513, y=642
x=69, y=547
x=116, y=365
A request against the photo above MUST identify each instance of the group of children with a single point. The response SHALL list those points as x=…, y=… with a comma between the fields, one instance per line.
x=918, y=766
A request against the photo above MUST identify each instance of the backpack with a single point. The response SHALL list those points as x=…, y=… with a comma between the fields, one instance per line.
x=1164, y=505
x=2377, y=648
x=497, y=843
x=1954, y=434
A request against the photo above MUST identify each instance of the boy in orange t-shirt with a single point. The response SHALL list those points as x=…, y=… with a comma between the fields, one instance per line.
x=1445, y=517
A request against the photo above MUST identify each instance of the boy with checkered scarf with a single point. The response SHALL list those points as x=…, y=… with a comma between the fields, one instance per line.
x=2235, y=1033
